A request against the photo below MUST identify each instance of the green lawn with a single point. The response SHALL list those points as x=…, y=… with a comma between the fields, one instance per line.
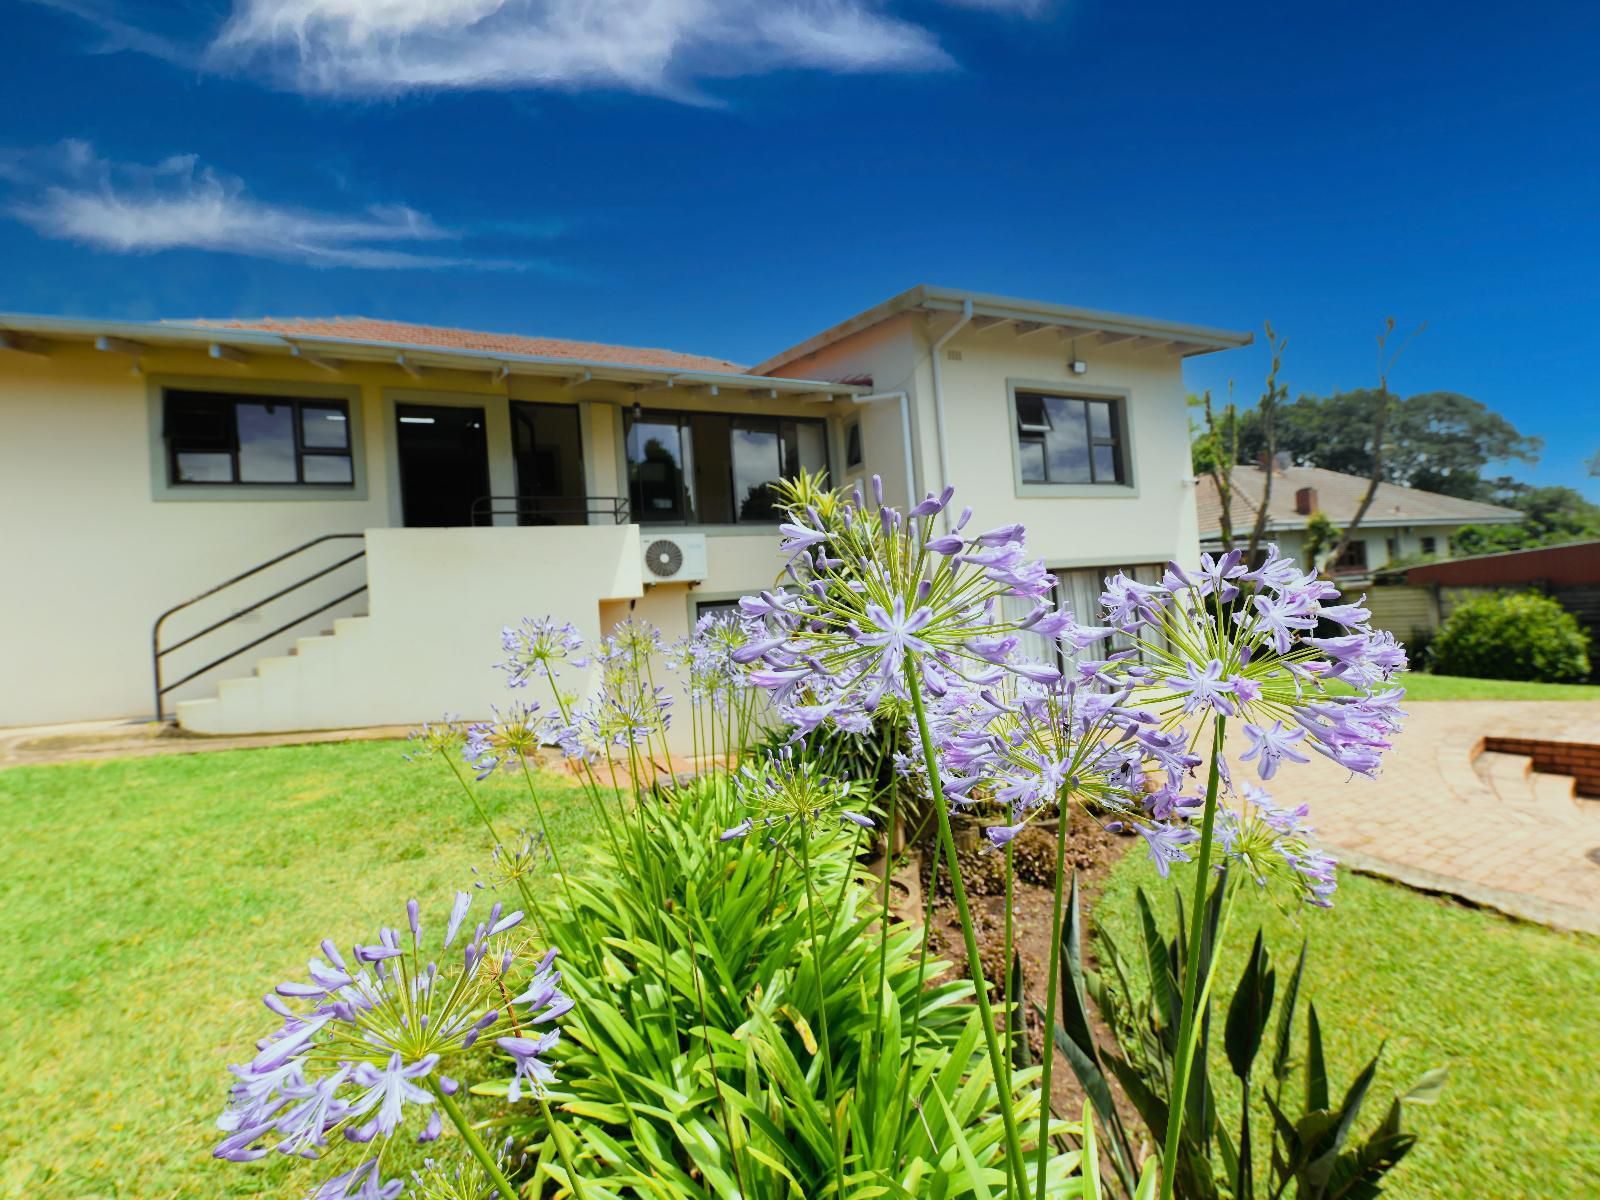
x=149, y=902
x=1421, y=686
x=1508, y=1007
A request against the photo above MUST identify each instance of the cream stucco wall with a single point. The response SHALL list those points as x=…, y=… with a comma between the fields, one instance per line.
x=94, y=544
x=439, y=600
x=1152, y=520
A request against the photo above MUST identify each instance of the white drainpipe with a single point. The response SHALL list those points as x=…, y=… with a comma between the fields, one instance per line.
x=905, y=432
x=938, y=400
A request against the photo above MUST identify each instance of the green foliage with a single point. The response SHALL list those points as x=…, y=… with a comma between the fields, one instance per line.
x=1309, y=1145
x=717, y=1028
x=1516, y=635
x=1321, y=535
x=1551, y=516
x=1436, y=441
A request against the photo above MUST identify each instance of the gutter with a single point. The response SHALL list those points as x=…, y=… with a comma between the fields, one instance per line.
x=938, y=400
x=905, y=431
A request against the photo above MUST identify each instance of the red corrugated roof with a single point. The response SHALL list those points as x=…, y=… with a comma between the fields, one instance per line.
x=366, y=329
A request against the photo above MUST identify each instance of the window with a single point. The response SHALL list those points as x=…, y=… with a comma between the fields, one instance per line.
x=547, y=445
x=1354, y=558
x=715, y=468
x=853, y=457
x=1078, y=590
x=222, y=438
x=1067, y=439
x=1430, y=545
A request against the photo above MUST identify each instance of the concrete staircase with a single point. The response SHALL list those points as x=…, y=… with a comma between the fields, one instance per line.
x=249, y=703
x=1512, y=778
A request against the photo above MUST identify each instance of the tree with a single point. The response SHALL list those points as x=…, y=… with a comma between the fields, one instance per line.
x=1215, y=451
x=1266, y=415
x=1437, y=441
x=1380, y=420
x=1551, y=515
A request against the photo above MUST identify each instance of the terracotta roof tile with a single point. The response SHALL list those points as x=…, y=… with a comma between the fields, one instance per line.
x=1338, y=495
x=366, y=329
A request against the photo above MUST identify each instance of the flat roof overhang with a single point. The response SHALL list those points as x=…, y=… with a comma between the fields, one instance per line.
x=26, y=334
x=1025, y=318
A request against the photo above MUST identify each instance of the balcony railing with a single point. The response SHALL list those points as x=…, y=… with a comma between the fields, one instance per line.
x=551, y=510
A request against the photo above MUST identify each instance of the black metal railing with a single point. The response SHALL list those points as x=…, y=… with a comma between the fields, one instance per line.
x=550, y=510
x=159, y=652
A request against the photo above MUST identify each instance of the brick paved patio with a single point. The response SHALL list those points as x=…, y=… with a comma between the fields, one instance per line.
x=1435, y=819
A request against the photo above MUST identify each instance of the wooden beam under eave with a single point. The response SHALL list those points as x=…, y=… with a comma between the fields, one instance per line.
x=1029, y=328
x=1088, y=337
x=116, y=345
x=228, y=353
x=984, y=324
x=317, y=360
x=1117, y=339
x=22, y=343
x=409, y=367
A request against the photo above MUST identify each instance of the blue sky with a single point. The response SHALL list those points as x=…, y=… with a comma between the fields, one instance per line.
x=729, y=176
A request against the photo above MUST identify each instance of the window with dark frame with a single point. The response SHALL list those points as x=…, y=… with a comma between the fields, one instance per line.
x=853, y=457
x=1430, y=545
x=1352, y=558
x=687, y=468
x=1069, y=439
x=229, y=439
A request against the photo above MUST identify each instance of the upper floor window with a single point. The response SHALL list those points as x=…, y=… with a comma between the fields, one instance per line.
x=228, y=438
x=1069, y=439
x=715, y=468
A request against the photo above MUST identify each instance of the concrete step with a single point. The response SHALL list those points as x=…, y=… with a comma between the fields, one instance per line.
x=1562, y=789
x=1506, y=774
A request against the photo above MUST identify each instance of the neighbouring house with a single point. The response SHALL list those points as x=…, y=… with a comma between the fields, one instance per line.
x=1401, y=523
x=279, y=524
x=1421, y=598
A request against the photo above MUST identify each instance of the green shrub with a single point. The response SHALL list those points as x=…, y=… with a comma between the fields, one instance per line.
x=1512, y=636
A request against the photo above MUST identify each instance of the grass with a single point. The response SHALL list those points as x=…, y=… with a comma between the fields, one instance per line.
x=148, y=903
x=1508, y=1007
x=1421, y=686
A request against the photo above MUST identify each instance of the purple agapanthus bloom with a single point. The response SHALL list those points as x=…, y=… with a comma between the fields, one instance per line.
x=367, y=1045
x=1271, y=745
x=1166, y=843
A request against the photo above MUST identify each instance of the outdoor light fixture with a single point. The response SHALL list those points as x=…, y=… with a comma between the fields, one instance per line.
x=1075, y=364
x=638, y=410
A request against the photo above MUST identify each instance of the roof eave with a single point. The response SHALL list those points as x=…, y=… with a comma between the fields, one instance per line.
x=180, y=335
x=1188, y=339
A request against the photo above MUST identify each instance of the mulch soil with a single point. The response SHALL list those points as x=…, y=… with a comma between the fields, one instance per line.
x=1091, y=852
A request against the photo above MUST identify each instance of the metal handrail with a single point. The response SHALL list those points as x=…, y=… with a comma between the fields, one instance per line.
x=158, y=652
x=486, y=508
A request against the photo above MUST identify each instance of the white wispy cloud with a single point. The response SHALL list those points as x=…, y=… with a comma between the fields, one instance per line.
x=652, y=46
x=70, y=192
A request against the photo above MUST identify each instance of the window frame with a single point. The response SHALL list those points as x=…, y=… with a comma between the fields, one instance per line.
x=1354, y=548
x=164, y=484
x=683, y=419
x=1122, y=440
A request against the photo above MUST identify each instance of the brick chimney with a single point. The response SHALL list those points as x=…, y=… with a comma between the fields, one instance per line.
x=1305, y=501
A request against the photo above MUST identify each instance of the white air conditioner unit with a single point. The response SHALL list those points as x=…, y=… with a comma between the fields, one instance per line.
x=675, y=558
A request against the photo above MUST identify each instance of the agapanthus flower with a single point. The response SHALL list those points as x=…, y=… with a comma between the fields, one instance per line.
x=444, y=736
x=369, y=1040
x=537, y=647
x=876, y=589
x=1227, y=641
x=513, y=737
x=1271, y=843
x=466, y=1180
x=785, y=791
